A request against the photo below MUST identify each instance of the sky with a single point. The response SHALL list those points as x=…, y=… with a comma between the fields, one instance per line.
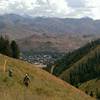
x=52, y=8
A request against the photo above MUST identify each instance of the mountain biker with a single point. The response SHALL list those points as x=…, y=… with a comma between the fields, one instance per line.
x=26, y=80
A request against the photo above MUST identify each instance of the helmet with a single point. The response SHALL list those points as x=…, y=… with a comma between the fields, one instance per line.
x=26, y=75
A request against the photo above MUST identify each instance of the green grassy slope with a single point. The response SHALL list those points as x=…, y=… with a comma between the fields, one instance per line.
x=91, y=85
x=43, y=86
x=85, y=69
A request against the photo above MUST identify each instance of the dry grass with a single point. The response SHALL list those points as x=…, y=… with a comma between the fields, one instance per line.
x=43, y=86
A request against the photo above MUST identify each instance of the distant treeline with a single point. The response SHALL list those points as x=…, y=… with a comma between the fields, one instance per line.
x=9, y=48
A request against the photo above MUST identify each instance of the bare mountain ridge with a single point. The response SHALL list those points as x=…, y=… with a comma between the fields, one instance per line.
x=51, y=43
x=18, y=26
x=49, y=34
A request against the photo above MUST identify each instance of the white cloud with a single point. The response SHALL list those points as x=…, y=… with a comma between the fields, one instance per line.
x=60, y=6
x=94, y=8
x=55, y=8
x=36, y=7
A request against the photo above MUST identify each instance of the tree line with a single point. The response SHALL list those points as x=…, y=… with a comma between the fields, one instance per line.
x=9, y=48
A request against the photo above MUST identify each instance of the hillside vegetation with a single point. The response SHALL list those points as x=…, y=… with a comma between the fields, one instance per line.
x=9, y=47
x=91, y=86
x=72, y=57
x=43, y=86
x=81, y=67
x=85, y=69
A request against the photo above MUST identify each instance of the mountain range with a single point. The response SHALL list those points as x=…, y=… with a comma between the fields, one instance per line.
x=56, y=34
x=19, y=26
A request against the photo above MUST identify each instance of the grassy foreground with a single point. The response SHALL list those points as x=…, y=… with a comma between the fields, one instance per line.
x=43, y=86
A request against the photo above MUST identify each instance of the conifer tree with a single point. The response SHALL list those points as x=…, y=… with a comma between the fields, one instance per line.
x=15, y=49
x=5, y=46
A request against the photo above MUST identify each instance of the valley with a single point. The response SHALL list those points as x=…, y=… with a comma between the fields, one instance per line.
x=49, y=49
x=40, y=58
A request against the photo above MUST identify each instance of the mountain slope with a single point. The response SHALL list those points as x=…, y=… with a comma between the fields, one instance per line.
x=91, y=85
x=43, y=86
x=51, y=43
x=85, y=69
x=70, y=58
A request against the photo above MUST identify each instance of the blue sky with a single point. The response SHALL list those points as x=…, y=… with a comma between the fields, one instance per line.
x=52, y=8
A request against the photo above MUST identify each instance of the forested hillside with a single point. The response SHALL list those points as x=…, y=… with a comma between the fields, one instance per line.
x=72, y=57
x=85, y=69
